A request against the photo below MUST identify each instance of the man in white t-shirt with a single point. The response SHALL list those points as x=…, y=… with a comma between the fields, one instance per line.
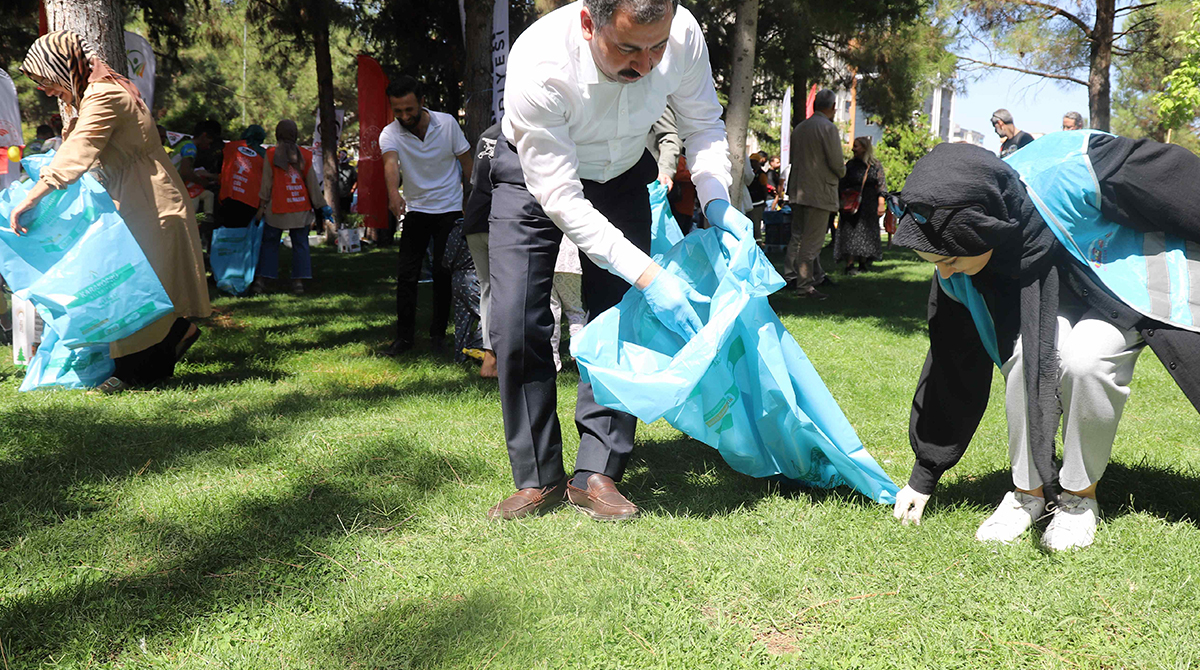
x=430, y=152
x=585, y=84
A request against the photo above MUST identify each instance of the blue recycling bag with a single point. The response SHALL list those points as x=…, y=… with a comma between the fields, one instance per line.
x=742, y=385
x=665, y=232
x=233, y=256
x=57, y=365
x=80, y=266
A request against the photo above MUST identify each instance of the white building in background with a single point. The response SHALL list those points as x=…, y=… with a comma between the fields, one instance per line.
x=965, y=135
x=939, y=107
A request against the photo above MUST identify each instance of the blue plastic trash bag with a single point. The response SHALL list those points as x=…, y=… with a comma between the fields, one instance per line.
x=79, y=263
x=234, y=256
x=665, y=233
x=742, y=385
x=55, y=364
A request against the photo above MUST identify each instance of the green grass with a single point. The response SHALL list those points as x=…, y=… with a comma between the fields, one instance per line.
x=291, y=501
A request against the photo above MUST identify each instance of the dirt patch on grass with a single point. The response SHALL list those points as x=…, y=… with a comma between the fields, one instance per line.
x=777, y=642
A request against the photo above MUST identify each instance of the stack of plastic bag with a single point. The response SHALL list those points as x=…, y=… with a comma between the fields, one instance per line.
x=83, y=270
x=742, y=385
x=233, y=256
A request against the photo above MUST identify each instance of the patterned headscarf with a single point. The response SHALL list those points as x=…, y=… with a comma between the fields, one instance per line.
x=62, y=58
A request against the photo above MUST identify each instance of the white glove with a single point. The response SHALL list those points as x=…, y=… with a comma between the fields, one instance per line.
x=910, y=505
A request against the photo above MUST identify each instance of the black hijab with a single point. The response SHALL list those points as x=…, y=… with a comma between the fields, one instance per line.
x=983, y=205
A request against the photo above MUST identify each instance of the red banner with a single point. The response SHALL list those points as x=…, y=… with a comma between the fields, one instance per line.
x=373, y=114
x=808, y=102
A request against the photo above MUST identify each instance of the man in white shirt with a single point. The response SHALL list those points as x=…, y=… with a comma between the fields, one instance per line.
x=585, y=84
x=428, y=149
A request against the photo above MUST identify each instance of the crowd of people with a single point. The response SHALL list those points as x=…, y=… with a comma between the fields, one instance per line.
x=547, y=219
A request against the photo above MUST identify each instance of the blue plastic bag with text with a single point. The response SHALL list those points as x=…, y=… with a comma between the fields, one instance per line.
x=57, y=365
x=78, y=263
x=742, y=385
x=234, y=256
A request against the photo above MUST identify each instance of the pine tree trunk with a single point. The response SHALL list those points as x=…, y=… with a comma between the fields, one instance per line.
x=478, y=74
x=803, y=56
x=101, y=24
x=741, y=93
x=1099, y=79
x=328, y=129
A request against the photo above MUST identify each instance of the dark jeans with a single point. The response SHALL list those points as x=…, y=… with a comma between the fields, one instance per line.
x=522, y=250
x=419, y=229
x=268, y=255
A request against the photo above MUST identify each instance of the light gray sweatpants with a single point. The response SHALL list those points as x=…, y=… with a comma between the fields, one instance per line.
x=1096, y=361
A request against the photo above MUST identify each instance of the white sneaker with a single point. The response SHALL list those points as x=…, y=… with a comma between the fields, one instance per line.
x=1012, y=518
x=1073, y=525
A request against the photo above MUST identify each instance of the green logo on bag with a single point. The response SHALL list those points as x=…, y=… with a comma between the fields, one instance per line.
x=718, y=417
x=130, y=318
x=103, y=286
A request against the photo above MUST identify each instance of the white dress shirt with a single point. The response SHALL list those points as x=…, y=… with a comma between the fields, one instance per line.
x=432, y=173
x=570, y=122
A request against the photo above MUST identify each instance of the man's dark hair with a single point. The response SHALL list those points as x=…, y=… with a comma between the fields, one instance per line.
x=45, y=132
x=643, y=11
x=210, y=127
x=402, y=86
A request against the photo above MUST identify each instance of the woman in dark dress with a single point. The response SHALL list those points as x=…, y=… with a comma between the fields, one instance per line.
x=857, y=240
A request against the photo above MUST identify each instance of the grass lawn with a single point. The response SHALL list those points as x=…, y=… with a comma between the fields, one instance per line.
x=291, y=501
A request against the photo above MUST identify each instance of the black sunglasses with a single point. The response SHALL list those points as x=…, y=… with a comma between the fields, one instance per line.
x=921, y=212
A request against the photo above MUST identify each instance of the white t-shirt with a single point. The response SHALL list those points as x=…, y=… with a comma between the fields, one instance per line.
x=430, y=168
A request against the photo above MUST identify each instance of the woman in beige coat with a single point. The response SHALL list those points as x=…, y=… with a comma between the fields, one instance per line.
x=114, y=131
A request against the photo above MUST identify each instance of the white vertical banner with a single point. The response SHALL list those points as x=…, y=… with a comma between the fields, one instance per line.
x=141, y=65
x=785, y=129
x=318, y=155
x=10, y=129
x=500, y=44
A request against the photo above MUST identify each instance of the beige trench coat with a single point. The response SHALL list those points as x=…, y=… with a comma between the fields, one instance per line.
x=113, y=130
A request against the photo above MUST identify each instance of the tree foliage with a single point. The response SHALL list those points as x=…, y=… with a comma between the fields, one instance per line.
x=1179, y=101
x=1065, y=41
x=898, y=46
x=902, y=145
x=204, y=79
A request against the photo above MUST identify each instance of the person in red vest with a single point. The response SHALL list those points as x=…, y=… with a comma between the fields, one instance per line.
x=241, y=177
x=288, y=195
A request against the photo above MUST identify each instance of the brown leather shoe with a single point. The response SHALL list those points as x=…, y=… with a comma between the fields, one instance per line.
x=528, y=501
x=601, y=501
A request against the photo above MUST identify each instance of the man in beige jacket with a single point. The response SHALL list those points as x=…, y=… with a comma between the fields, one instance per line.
x=817, y=165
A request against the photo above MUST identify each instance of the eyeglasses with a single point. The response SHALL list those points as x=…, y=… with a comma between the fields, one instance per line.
x=921, y=212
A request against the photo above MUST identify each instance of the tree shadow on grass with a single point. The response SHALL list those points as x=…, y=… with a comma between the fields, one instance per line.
x=264, y=550
x=74, y=450
x=685, y=477
x=1167, y=493
x=351, y=302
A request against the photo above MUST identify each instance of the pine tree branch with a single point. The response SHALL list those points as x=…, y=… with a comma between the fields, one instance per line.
x=1133, y=8
x=1047, y=75
x=1087, y=30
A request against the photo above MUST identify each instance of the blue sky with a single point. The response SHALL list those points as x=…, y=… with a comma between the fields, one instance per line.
x=1037, y=104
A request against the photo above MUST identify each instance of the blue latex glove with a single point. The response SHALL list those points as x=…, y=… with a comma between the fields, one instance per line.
x=726, y=217
x=327, y=213
x=669, y=297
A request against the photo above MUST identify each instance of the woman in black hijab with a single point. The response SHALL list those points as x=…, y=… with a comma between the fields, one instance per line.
x=1009, y=293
